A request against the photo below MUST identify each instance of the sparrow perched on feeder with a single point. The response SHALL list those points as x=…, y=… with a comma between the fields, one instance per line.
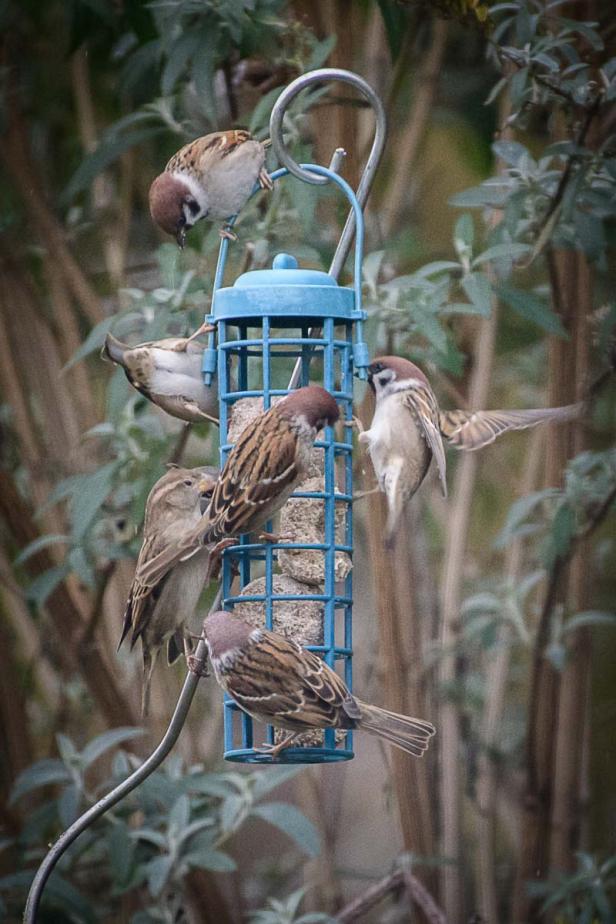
x=278, y=682
x=408, y=429
x=159, y=611
x=271, y=457
x=168, y=373
x=212, y=177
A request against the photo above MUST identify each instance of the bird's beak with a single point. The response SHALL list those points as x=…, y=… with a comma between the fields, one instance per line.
x=206, y=489
x=370, y=380
x=181, y=236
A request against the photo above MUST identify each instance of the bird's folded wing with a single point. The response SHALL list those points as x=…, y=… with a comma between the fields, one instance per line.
x=471, y=430
x=143, y=593
x=421, y=402
x=260, y=466
x=217, y=144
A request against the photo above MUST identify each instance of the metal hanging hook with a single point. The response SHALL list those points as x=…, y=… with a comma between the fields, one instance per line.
x=365, y=184
x=322, y=75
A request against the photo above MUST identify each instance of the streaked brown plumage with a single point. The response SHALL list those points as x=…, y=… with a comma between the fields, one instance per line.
x=211, y=177
x=278, y=682
x=269, y=460
x=408, y=429
x=158, y=612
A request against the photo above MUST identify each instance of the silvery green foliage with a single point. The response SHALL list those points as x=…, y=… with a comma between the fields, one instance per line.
x=287, y=911
x=552, y=65
x=180, y=819
x=586, y=896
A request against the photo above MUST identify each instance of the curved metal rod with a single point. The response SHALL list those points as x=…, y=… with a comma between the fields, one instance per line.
x=376, y=151
x=116, y=795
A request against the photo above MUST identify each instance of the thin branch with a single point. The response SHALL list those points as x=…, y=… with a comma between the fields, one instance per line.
x=371, y=897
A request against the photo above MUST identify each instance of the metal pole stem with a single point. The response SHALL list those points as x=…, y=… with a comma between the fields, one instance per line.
x=116, y=795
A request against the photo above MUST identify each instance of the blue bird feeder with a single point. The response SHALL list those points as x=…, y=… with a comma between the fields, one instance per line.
x=268, y=321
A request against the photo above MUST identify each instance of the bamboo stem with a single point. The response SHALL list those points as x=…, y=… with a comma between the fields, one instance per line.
x=449, y=729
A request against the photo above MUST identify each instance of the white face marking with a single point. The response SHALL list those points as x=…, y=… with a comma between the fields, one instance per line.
x=386, y=384
x=197, y=193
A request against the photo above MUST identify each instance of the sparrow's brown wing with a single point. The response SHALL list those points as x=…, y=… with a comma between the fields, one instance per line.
x=261, y=465
x=421, y=402
x=280, y=681
x=144, y=593
x=259, y=469
x=471, y=430
x=201, y=150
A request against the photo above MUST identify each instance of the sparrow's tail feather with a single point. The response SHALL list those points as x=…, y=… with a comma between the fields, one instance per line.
x=113, y=349
x=411, y=735
x=149, y=660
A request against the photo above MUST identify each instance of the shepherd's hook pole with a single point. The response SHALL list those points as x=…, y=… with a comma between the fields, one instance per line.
x=112, y=798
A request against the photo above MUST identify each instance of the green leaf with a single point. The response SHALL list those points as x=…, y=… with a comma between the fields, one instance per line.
x=121, y=851
x=178, y=56
x=502, y=251
x=519, y=511
x=68, y=805
x=438, y=266
x=109, y=739
x=158, y=871
x=321, y=52
x=532, y=308
x=463, y=236
x=37, y=544
x=42, y=773
x=264, y=783
x=259, y=119
x=294, y=823
x=479, y=290
x=493, y=193
x=214, y=860
x=179, y=815
x=105, y=154
x=93, y=341
x=511, y=152
x=42, y=586
x=561, y=532
x=590, y=618
x=89, y=496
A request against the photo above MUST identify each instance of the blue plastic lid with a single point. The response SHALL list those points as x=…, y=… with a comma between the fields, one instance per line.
x=284, y=272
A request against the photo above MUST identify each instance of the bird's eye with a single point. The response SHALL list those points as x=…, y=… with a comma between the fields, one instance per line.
x=189, y=483
x=375, y=367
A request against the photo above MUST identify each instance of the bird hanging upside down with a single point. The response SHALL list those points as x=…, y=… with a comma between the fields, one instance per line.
x=169, y=374
x=212, y=177
x=278, y=682
x=408, y=428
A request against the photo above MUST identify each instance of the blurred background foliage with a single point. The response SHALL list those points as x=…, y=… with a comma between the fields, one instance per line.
x=491, y=263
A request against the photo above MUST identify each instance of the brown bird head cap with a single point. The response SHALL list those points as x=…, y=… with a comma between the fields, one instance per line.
x=170, y=201
x=314, y=403
x=402, y=368
x=224, y=632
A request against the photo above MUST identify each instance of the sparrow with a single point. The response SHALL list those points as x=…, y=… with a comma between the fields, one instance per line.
x=278, y=682
x=169, y=374
x=212, y=177
x=408, y=428
x=159, y=612
x=269, y=460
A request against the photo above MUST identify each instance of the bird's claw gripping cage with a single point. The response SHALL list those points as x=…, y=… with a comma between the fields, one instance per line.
x=269, y=324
